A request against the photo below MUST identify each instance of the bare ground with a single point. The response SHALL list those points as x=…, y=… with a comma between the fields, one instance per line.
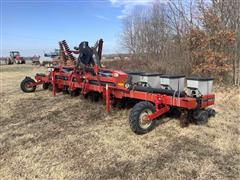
x=46, y=137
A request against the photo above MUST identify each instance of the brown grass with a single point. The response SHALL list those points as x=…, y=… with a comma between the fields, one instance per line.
x=46, y=137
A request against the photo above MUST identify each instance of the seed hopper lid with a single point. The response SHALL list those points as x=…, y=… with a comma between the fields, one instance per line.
x=151, y=74
x=172, y=76
x=200, y=78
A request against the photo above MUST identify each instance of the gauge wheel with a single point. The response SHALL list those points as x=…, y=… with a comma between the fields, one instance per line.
x=138, y=118
x=45, y=85
x=26, y=85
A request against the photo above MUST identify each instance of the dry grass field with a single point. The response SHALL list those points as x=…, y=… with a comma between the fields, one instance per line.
x=46, y=137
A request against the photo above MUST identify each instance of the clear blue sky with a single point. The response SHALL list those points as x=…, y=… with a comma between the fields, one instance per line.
x=35, y=27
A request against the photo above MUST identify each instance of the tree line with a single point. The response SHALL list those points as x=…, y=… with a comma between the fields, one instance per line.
x=194, y=37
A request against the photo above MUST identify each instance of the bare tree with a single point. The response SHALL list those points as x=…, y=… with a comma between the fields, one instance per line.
x=163, y=37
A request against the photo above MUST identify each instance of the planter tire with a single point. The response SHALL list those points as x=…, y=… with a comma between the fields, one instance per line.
x=138, y=124
x=25, y=85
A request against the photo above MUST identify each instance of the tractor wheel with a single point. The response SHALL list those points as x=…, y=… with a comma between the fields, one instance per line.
x=26, y=85
x=9, y=62
x=137, y=118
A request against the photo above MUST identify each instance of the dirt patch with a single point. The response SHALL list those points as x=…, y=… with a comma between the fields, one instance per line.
x=48, y=137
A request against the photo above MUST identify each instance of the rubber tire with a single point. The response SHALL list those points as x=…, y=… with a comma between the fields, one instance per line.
x=45, y=85
x=202, y=118
x=27, y=80
x=211, y=112
x=134, y=117
x=174, y=112
x=94, y=97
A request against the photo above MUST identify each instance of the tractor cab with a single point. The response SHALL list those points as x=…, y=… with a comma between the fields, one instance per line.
x=14, y=54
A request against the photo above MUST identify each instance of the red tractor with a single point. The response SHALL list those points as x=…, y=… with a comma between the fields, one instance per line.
x=16, y=58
